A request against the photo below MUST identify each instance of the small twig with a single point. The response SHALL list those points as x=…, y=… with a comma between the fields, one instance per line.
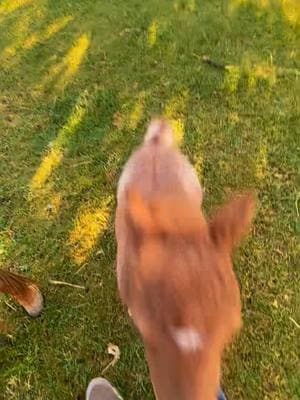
x=280, y=72
x=62, y=283
x=296, y=205
x=81, y=268
x=214, y=63
x=80, y=305
x=10, y=306
x=295, y=322
x=279, y=252
x=74, y=165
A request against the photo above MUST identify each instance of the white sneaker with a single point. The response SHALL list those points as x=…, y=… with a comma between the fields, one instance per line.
x=101, y=389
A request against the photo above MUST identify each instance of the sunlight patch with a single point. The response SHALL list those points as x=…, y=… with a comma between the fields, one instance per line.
x=74, y=57
x=254, y=73
x=178, y=129
x=9, y=6
x=51, y=160
x=34, y=39
x=174, y=111
x=57, y=26
x=9, y=51
x=261, y=162
x=234, y=5
x=289, y=8
x=6, y=241
x=152, y=33
x=261, y=72
x=52, y=29
x=233, y=117
x=189, y=5
x=48, y=164
x=68, y=67
x=130, y=116
x=137, y=111
x=20, y=29
x=198, y=161
x=291, y=11
x=90, y=224
x=232, y=78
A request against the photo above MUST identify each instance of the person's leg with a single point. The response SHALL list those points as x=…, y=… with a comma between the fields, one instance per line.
x=101, y=389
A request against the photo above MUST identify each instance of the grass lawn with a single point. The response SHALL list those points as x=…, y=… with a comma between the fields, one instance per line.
x=79, y=81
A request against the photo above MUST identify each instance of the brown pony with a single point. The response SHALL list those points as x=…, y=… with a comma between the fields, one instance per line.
x=23, y=290
x=174, y=267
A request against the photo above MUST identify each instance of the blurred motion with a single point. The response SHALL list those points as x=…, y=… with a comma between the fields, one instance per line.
x=174, y=267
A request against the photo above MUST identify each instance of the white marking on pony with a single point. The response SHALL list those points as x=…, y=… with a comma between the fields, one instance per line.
x=188, y=339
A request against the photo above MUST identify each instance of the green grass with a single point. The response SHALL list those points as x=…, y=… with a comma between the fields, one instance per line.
x=78, y=83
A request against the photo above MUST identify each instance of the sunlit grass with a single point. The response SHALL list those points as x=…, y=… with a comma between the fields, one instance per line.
x=190, y=5
x=253, y=73
x=61, y=74
x=46, y=202
x=261, y=162
x=35, y=38
x=178, y=129
x=130, y=115
x=232, y=78
x=136, y=114
x=21, y=29
x=174, y=111
x=45, y=35
x=290, y=8
x=55, y=155
x=48, y=164
x=261, y=72
x=260, y=4
x=6, y=241
x=74, y=57
x=198, y=162
x=152, y=33
x=90, y=223
x=9, y=6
